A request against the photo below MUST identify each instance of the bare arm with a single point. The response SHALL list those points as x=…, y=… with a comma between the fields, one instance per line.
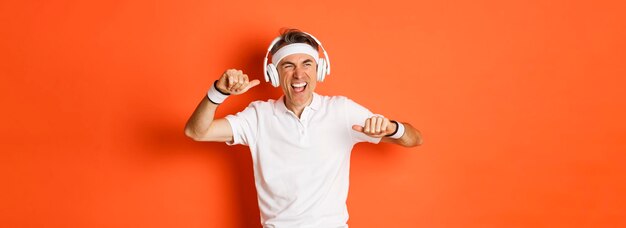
x=378, y=127
x=412, y=137
x=202, y=126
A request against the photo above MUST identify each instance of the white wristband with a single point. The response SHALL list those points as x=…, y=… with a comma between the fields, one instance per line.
x=399, y=132
x=215, y=96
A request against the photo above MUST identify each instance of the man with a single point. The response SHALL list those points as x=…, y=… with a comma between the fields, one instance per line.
x=300, y=143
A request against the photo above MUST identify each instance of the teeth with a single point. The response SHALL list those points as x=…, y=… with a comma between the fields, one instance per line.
x=296, y=85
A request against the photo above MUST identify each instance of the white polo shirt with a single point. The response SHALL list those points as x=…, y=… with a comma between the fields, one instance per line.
x=301, y=165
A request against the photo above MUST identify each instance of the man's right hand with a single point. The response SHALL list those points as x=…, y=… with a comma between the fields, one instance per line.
x=235, y=82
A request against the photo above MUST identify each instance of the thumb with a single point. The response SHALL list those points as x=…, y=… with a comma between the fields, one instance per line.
x=357, y=128
x=254, y=83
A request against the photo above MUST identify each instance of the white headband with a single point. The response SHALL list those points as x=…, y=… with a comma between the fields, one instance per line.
x=295, y=48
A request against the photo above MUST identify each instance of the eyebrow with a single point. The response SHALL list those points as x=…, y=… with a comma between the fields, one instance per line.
x=288, y=62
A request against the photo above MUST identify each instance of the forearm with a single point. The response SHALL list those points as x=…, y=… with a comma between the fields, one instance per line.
x=201, y=119
x=202, y=125
x=412, y=137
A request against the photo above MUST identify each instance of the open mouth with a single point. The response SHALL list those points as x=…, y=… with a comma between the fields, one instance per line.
x=299, y=87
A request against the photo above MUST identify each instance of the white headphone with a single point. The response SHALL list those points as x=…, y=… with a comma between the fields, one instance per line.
x=271, y=73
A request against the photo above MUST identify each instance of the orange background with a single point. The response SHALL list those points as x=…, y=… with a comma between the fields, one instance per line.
x=521, y=104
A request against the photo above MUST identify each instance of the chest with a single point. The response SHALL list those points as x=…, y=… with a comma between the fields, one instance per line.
x=312, y=138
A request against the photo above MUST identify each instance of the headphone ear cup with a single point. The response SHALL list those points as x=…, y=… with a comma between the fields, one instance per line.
x=272, y=75
x=321, y=69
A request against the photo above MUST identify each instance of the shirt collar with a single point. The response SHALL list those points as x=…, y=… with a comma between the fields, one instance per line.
x=279, y=105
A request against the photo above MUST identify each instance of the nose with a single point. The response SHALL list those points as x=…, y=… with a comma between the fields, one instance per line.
x=299, y=72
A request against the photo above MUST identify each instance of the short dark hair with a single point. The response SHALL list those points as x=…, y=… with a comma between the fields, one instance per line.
x=292, y=35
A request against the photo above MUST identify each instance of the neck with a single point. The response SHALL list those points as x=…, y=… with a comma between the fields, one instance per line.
x=297, y=109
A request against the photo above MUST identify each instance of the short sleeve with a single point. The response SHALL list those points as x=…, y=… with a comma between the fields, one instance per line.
x=244, y=126
x=356, y=115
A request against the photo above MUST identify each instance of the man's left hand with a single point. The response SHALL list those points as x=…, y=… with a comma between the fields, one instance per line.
x=376, y=126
